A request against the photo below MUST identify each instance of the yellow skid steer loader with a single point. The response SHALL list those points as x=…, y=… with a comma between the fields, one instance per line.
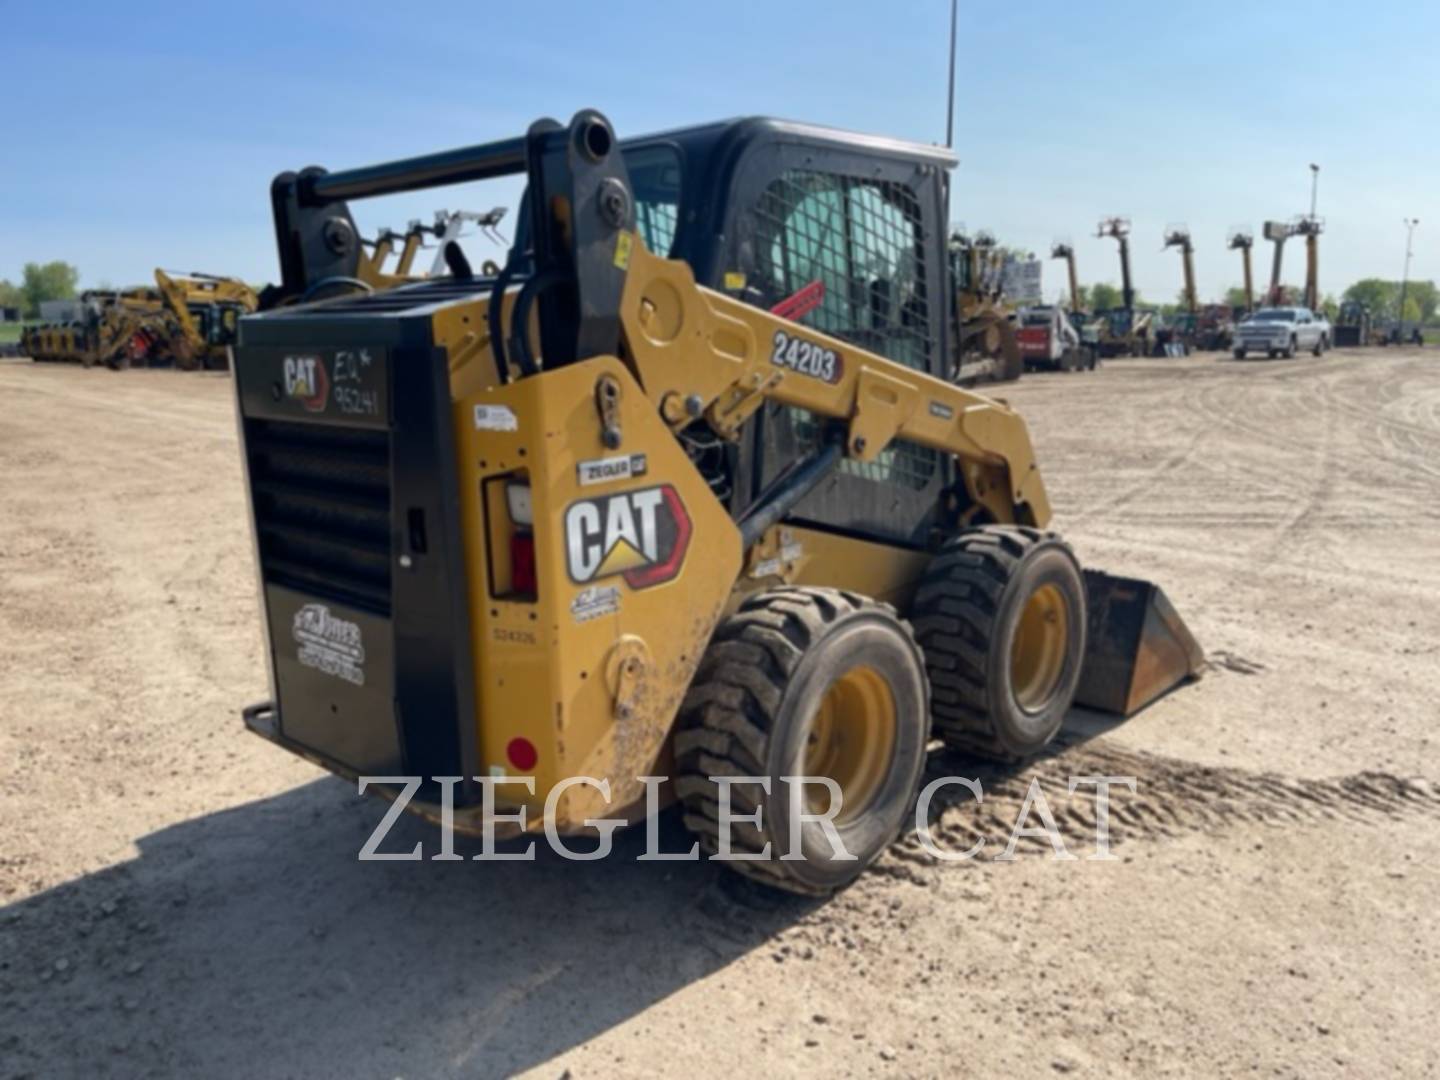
x=605, y=514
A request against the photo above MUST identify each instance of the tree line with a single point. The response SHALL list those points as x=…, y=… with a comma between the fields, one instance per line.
x=39, y=282
x=59, y=280
x=1422, y=298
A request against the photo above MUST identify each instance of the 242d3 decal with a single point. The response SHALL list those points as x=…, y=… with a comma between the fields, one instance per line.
x=639, y=535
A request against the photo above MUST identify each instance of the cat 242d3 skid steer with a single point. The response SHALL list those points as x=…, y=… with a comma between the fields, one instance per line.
x=684, y=490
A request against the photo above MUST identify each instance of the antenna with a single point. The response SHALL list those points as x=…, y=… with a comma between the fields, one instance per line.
x=950, y=100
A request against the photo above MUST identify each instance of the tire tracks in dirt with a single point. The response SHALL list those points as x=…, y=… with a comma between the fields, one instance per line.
x=1172, y=798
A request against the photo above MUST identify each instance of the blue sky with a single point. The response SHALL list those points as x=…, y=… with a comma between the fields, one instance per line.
x=137, y=136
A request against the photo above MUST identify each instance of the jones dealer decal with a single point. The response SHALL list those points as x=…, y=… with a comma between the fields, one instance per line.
x=329, y=643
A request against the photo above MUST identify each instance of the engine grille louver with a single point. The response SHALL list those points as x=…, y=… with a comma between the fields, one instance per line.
x=322, y=509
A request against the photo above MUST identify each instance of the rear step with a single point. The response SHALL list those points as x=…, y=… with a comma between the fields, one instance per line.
x=1137, y=646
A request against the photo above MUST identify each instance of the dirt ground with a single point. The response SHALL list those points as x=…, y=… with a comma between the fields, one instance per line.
x=182, y=899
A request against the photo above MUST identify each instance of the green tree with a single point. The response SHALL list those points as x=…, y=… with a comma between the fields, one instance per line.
x=1383, y=298
x=1330, y=306
x=49, y=281
x=1375, y=294
x=1104, y=295
x=1426, y=297
x=11, y=295
x=1235, y=297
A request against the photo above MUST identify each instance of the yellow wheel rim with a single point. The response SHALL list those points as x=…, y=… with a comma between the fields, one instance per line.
x=1037, y=654
x=852, y=741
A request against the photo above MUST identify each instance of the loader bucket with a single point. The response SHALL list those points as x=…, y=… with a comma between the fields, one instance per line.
x=1137, y=646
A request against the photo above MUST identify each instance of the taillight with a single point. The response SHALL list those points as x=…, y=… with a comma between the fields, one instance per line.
x=522, y=562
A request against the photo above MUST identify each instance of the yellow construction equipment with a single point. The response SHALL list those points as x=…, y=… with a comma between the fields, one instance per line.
x=1241, y=239
x=1310, y=228
x=204, y=312
x=115, y=328
x=185, y=319
x=1277, y=232
x=1178, y=236
x=986, y=346
x=1064, y=250
x=540, y=538
x=447, y=228
x=1124, y=329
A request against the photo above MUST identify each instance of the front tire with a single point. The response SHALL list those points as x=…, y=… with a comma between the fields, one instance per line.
x=1239, y=354
x=806, y=682
x=1289, y=353
x=1000, y=614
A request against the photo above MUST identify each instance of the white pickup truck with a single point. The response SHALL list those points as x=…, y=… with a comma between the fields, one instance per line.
x=1282, y=331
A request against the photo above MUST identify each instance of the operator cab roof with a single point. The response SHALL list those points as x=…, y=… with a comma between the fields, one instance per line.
x=744, y=129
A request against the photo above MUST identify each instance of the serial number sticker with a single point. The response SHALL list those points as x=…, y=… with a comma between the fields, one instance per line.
x=594, y=602
x=495, y=418
x=805, y=357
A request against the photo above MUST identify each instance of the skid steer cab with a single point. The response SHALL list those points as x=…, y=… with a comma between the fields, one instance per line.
x=681, y=491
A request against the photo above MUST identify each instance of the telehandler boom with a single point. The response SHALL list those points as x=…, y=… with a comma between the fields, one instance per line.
x=604, y=514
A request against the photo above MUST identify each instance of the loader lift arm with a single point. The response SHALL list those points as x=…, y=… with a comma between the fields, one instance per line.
x=744, y=361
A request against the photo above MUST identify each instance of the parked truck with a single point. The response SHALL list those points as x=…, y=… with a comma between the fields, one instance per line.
x=1282, y=331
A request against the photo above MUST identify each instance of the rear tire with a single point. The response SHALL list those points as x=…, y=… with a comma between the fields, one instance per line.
x=1239, y=354
x=1000, y=614
x=802, y=682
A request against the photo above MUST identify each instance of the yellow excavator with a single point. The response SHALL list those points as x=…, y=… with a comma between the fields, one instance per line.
x=603, y=530
x=204, y=311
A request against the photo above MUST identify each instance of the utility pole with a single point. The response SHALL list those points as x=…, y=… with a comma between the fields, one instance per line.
x=1410, y=224
x=950, y=100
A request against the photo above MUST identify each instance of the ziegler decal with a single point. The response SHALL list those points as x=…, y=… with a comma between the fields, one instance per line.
x=307, y=382
x=329, y=643
x=805, y=357
x=640, y=535
x=603, y=470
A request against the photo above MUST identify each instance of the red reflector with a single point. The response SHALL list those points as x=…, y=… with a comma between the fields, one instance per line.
x=522, y=563
x=522, y=754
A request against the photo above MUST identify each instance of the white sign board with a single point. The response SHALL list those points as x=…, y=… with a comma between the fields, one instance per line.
x=1022, y=281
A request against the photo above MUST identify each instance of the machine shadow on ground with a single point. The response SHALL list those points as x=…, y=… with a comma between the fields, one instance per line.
x=252, y=941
